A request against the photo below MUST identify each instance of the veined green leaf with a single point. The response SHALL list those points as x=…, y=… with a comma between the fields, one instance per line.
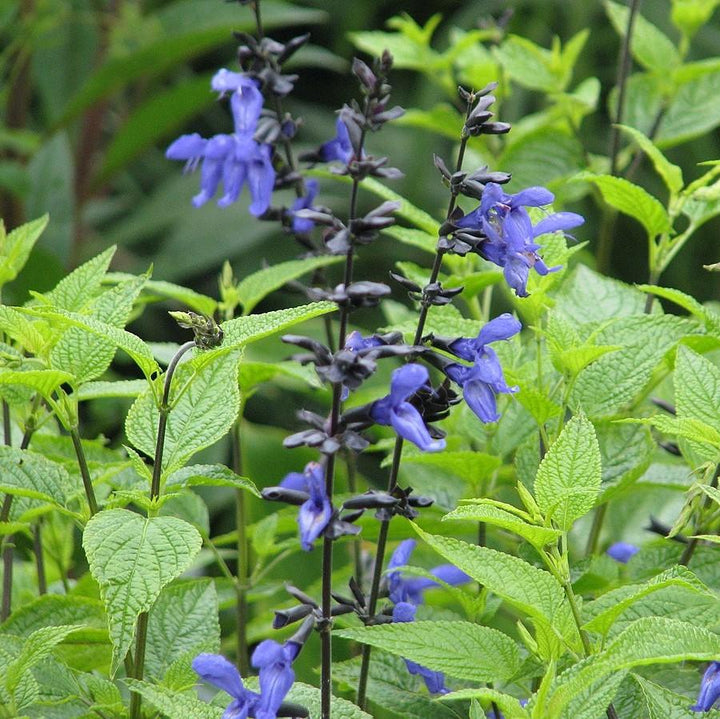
x=687, y=302
x=27, y=474
x=631, y=200
x=132, y=558
x=260, y=284
x=508, y=705
x=460, y=649
x=118, y=388
x=499, y=517
x=473, y=467
x=44, y=381
x=171, y=703
x=670, y=173
x=25, y=332
x=15, y=247
x=568, y=480
x=662, y=703
x=212, y=475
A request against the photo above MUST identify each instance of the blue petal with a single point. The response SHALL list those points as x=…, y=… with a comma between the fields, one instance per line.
x=210, y=175
x=408, y=423
x=501, y=328
x=532, y=197
x=186, y=147
x=516, y=273
x=276, y=677
x=246, y=105
x=404, y=612
x=622, y=551
x=261, y=181
x=434, y=681
x=492, y=195
x=296, y=481
x=558, y=221
x=401, y=555
x=481, y=400
x=450, y=574
x=406, y=381
x=217, y=670
x=709, y=688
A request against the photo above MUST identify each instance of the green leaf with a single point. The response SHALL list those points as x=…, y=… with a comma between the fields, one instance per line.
x=37, y=647
x=626, y=452
x=649, y=640
x=508, y=705
x=260, y=284
x=687, y=302
x=689, y=428
x=662, y=703
x=460, y=649
x=490, y=513
x=53, y=610
x=22, y=330
x=119, y=388
x=194, y=300
x=531, y=66
x=172, y=704
x=670, y=173
x=654, y=50
x=309, y=697
x=415, y=238
x=196, y=419
x=73, y=292
x=441, y=118
x=631, y=200
x=617, y=379
x=243, y=330
x=132, y=558
x=27, y=474
x=184, y=617
x=44, y=381
x=15, y=248
x=568, y=480
x=211, y=475
x=473, y=467
x=689, y=16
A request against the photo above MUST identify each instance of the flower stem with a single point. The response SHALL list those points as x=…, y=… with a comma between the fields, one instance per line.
x=142, y=623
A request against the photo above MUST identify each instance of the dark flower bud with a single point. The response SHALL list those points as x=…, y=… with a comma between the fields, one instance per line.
x=290, y=709
x=671, y=448
x=663, y=404
x=284, y=617
x=496, y=128
x=207, y=333
x=441, y=166
x=363, y=73
x=405, y=282
x=282, y=494
x=370, y=500
x=341, y=609
x=298, y=594
x=292, y=46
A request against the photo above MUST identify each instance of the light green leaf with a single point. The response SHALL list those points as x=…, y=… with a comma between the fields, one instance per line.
x=508, y=705
x=119, y=388
x=37, y=647
x=654, y=50
x=497, y=516
x=253, y=374
x=25, y=332
x=309, y=697
x=460, y=649
x=196, y=418
x=73, y=292
x=15, y=247
x=670, y=173
x=416, y=238
x=260, y=284
x=473, y=467
x=531, y=66
x=662, y=703
x=44, y=381
x=568, y=480
x=407, y=211
x=132, y=558
x=689, y=16
x=212, y=475
x=688, y=428
x=441, y=118
x=173, y=704
x=243, y=330
x=540, y=406
x=626, y=452
x=27, y=474
x=184, y=617
x=650, y=640
x=53, y=610
x=631, y=200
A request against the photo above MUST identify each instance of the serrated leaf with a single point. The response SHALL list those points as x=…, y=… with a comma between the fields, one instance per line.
x=568, y=480
x=649, y=640
x=689, y=428
x=132, y=558
x=626, y=452
x=119, y=388
x=498, y=517
x=15, y=247
x=211, y=475
x=173, y=704
x=662, y=703
x=508, y=705
x=253, y=374
x=37, y=646
x=27, y=474
x=44, y=381
x=196, y=419
x=632, y=200
x=260, y=284
x=649, y=46
x=533, y=591
x=460, y=649
x=670, y=173
x=615, y=380
x=687, y=302
x=473, y=467
x=75, y=290
x=53, y=610
x=243, y=330
x=25, y=332
x=185, y=616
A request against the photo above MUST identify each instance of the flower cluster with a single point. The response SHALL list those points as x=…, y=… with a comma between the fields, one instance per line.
x=235, y=159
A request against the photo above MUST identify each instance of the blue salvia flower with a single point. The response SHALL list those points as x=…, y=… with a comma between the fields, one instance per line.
x=237, y=159
x=503, y=219
x=709, y=689
x=434, y=681
x=622, y=552
x=301, y=225
x=316, y=512
x=394, y=409
x=482, y=381
x=339, y=148
x=410, y=589
x=276, y=676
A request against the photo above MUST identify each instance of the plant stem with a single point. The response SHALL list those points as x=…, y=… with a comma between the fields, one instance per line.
x=595, y=529
x=142, y=622
x=357, y=542
x=84, y=471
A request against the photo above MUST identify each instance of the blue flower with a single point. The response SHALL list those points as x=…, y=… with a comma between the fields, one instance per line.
x=339, y=148
x=503, y=219
x=483, y=380
x=276, y=677
x=622, y=551
x=396, y=411
x=709, y=689
x=316, y=512
x=237, y=159
x=434, y=681
x=300, y=225
x=411, y=589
